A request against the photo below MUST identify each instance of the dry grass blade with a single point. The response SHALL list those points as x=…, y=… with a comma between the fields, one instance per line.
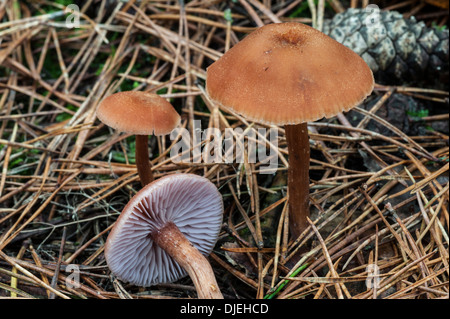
x=328, y=259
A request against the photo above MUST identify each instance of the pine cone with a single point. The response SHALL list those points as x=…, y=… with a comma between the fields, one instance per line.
x=398, y=50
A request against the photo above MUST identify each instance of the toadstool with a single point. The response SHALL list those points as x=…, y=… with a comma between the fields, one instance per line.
x=289, y=74
x=165, y=231
x=141, y=114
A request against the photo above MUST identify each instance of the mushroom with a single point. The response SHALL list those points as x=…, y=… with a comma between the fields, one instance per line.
x=290, y=74
x=141, y=114
x=166, y=231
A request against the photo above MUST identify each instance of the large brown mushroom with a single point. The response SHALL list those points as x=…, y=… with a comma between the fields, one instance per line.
x=165, y=232
x=289, y=74
x=141, y=114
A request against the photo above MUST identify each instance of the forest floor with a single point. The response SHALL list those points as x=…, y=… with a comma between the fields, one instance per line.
x=379, y=201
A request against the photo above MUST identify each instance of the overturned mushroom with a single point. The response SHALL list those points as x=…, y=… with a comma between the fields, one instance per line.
x=289, y=74
x=141, y=114
x=165, y=231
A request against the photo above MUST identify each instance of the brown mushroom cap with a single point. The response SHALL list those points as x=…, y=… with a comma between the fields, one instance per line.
x=139, y=113
x=288, y=73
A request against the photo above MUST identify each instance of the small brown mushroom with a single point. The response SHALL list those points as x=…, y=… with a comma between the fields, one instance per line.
x=141, y=114
x=289, y=74
x=166, y=230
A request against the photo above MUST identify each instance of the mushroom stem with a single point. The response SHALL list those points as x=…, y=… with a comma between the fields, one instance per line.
x=143, y=163
x=298, y=177
x=172, y=240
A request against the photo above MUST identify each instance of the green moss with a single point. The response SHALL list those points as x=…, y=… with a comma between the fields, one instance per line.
x=303, y=11
x=65, y=116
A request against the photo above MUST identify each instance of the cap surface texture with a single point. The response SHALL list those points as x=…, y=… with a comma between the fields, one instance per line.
x=189, y=201
x=139, y=113
x=288, y=73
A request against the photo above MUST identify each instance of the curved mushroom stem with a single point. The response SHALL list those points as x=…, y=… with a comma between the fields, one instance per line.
x=298, y=177
x=143, y=163
x=172, y=240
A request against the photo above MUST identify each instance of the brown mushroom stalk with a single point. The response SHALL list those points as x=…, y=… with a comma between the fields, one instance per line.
x=143, y=164
x=172, y=240
x=298, y=177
